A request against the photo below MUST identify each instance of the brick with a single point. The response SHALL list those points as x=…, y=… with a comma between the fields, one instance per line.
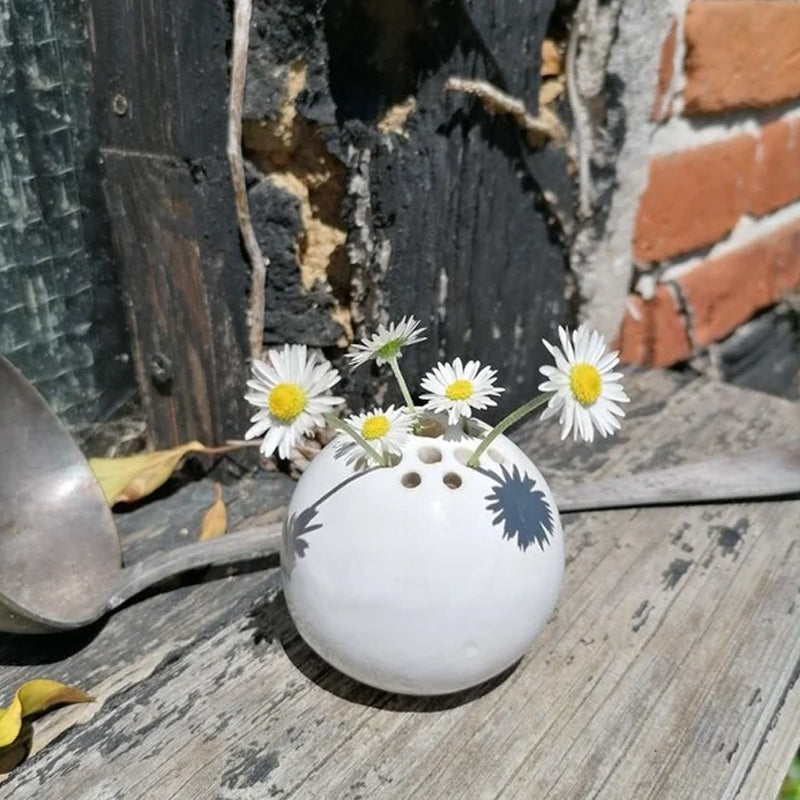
x=722, y=293
x=741, y=54
x=656, y=334
x=693, y=198
x=662, y=107
x=776, y=176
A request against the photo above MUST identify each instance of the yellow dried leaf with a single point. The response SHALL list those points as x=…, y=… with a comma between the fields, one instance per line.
x=215, y=520
x=32, y=697
x=133, y=477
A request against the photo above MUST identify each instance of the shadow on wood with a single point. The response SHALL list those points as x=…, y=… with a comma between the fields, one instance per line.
x=271, y=622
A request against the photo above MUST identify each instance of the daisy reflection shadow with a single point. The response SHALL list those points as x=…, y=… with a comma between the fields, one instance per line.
x=521, y=508
x=299, y=524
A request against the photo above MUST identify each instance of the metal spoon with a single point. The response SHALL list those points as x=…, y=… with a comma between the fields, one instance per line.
x=60, y=558
x=60, y=562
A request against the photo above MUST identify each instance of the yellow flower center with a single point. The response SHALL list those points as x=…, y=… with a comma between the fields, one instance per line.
x=586, y=383
x=459, y=390
x=286, y=401
x=375, y=427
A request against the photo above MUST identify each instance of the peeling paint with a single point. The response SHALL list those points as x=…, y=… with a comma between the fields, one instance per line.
x=675, y=571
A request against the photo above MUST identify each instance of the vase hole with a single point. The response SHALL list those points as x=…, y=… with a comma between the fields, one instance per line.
x=497, y=456
x=411, y=480
x=463, y=455
x=452, y=480
x=394, y=459
x=430, y=455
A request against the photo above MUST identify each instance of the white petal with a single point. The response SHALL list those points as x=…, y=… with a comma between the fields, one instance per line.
x=258, y=429
x=561, y=362
x=566, y=345
x=271, y=440
x=608, y=361
x=568, y=418
x=548, y=386
x=287, y=442
x=257, y=399
x=614, y=391
x=553, y=407
x=471, y=370
x=581, y=345
x=266, y=373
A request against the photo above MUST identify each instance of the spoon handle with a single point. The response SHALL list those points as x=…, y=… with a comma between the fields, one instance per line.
x=771, y=472
x=237, y=546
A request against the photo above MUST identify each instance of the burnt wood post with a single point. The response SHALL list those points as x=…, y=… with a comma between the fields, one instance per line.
x=419, y=200
x=160, y=89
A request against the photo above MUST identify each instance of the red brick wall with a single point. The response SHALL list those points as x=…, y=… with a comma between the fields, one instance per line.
x=738, y=77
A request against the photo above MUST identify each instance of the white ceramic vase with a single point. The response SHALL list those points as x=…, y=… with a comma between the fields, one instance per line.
x=426, y=577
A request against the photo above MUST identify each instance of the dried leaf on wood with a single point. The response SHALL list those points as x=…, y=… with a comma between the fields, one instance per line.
x=31, y=698
x=215, y=520
x=125, y=480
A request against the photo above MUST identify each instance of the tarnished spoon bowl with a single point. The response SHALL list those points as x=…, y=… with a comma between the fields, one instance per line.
x=58, y=542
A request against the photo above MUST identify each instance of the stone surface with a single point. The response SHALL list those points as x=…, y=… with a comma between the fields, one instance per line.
x=763, y=354
x=741, y=54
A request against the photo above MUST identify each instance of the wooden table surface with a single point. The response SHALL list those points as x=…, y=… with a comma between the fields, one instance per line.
x=669, y=670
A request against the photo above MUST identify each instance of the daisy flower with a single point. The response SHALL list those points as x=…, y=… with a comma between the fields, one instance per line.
x=288, y=391
x=387, y=344
x=585, y=390
x=385, y=431
x=457, y=389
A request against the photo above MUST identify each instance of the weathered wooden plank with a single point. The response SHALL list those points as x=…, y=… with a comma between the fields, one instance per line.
x=668, y=670
x=160, y=84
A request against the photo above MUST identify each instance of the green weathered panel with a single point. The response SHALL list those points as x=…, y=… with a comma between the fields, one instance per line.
x=61, y=320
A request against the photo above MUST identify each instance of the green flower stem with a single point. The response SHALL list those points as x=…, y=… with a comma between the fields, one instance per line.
x=403, y=387
x=513, y=417
x=335, y=422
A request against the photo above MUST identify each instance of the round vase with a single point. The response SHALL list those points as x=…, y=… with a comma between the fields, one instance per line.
x=426, y=577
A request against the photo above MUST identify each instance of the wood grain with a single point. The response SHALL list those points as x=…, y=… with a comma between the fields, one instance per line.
x=160, y=86
x=669, y=669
